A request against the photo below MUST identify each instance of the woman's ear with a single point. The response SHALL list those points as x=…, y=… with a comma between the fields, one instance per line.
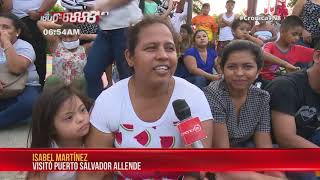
x=128, y=58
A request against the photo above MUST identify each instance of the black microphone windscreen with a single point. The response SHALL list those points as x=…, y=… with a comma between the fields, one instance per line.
x=181, y=109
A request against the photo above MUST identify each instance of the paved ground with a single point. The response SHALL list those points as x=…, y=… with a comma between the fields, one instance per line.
x=14, y=137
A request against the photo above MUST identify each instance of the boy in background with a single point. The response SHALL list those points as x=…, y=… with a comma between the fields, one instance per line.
x=206, y=22
x=286, y=48
x=240, y=29
x=225, y=22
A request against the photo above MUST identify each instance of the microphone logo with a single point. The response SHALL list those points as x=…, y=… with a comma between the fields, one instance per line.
x=195, y=129
x=191, y=130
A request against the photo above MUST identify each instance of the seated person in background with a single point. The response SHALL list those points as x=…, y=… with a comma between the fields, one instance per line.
x=264, y=31
x=69, y=57
x=64, y=111
x=206, y=22
x=199, y=61
x=240, y=29
x=184, y=43
x=286, y=47
x=240, y=110
x=185, y=39
x=290, y=94
x=19, y=56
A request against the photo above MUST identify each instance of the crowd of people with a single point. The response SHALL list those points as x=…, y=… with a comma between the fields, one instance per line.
x=251, y=86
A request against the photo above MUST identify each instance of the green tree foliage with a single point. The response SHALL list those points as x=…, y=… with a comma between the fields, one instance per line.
x=56, y=8
x=292, y=3
x=197, y=4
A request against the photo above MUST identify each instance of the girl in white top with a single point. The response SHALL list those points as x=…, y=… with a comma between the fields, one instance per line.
x=69, y=57
x=140, y=111
x=60, y=119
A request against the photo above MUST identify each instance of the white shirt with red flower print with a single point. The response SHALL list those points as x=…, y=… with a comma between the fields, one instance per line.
x=68, y=65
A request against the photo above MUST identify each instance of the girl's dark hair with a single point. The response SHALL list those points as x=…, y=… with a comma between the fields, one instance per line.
x=187, y=28
x=147, y=21
x=195, y=34
x=242, y=45
x=237, y=22
x=45, y=110
x=18, y=25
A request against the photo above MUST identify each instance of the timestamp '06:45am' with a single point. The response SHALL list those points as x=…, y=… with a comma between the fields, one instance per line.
x=58, y=32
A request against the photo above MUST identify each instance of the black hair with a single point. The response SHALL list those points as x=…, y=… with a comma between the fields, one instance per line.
x=237, y=22
x=187, y=28
x=18, y=25
x=205, y=5
x=291, y=22
x=134, y=31
x=195, y=34
x=45, y=110
x=242, y=45
x=229, y=1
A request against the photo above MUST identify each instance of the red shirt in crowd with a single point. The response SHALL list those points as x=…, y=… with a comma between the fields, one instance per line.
x=295, y=54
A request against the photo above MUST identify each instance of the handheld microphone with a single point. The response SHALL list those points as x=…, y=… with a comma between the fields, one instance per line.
x=190, y=128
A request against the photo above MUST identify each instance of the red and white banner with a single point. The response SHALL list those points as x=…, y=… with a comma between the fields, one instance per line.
x=160, y=160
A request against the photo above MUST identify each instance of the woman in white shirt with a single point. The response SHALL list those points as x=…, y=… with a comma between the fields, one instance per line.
x=139, y=109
